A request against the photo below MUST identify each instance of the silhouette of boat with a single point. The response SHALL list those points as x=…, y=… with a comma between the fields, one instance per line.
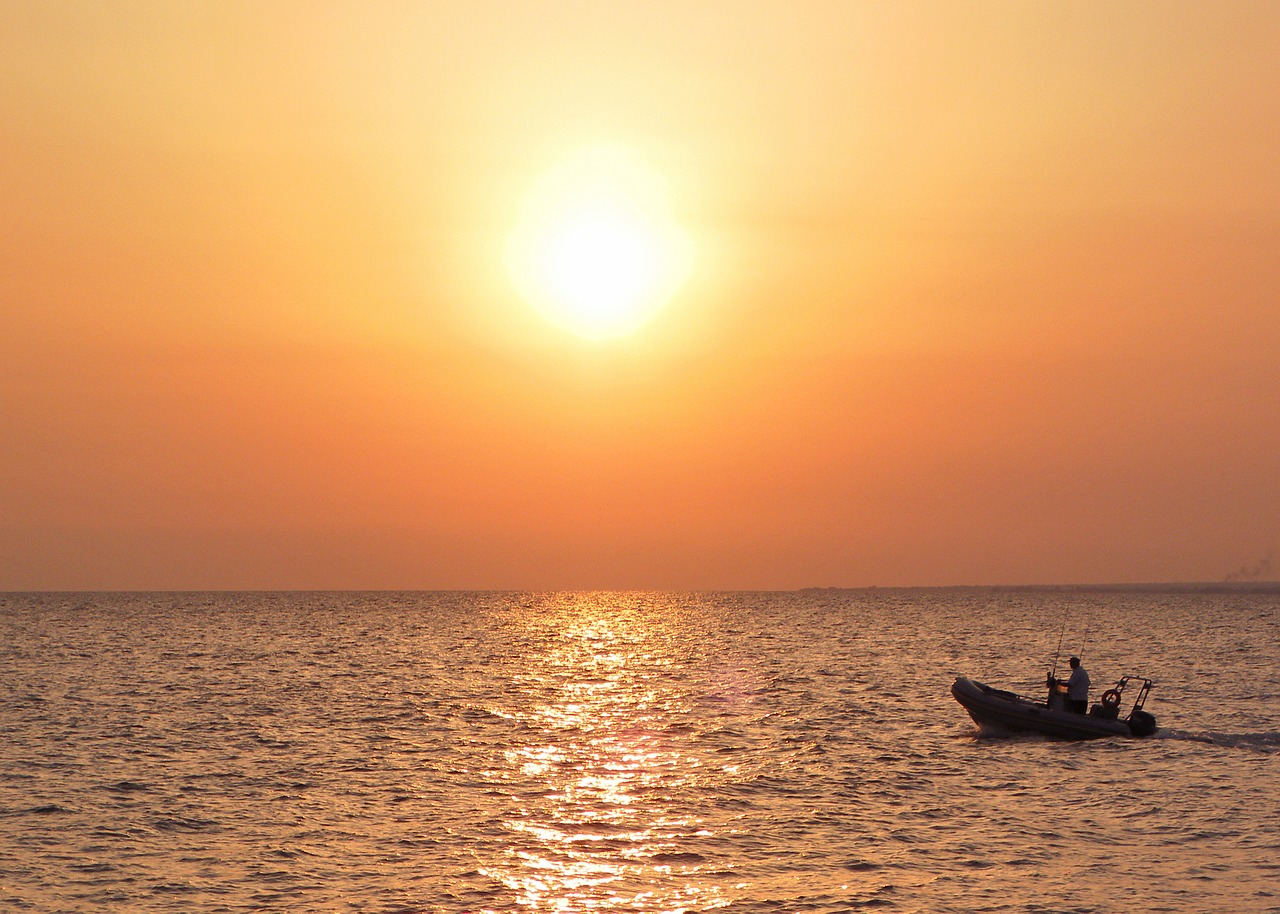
x=997, y=711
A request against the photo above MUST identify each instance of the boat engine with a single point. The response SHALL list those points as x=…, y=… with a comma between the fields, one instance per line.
x=1141, y=723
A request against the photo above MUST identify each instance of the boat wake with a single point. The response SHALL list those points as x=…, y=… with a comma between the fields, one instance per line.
x=1259, y=742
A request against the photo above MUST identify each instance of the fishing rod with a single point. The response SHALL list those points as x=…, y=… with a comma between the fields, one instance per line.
x=1058, y=652
x=1080, y=653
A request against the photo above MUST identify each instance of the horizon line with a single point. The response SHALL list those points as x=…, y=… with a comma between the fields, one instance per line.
x=1101, y=587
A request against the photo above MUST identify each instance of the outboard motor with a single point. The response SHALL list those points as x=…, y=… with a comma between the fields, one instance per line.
x=1142, y=723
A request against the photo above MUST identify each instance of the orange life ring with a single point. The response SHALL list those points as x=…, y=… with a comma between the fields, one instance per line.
x=1111, y=699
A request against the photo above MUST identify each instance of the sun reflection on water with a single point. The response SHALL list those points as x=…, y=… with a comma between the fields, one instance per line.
x=597, y=826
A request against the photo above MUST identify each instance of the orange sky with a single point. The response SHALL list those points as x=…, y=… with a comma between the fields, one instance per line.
x=981, y=293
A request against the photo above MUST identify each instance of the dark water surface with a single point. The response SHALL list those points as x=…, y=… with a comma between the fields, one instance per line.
x=400, y=752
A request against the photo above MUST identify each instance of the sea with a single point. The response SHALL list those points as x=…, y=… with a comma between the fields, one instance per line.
x=396, y=753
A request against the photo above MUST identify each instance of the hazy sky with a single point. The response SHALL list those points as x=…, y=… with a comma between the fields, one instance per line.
x=979, y=293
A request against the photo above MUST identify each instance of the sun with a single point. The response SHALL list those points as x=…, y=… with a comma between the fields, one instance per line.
x=596, y=249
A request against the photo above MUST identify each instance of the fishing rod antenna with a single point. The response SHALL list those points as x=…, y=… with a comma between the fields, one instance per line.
x=1088, y=626
x=1084, y=641
x=1056, y=654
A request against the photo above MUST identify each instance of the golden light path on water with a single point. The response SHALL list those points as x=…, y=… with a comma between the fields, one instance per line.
x=599, y=826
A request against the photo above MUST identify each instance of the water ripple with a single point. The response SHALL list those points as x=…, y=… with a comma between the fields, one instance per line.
x=622, y=753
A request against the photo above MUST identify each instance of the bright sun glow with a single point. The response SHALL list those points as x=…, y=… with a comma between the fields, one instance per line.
x=596, y=249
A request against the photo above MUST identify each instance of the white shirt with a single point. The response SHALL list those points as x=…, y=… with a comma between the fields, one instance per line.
x=1078, y=685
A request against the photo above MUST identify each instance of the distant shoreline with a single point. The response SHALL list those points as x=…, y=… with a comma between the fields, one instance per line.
x=1201, y=587
x=1265, y=587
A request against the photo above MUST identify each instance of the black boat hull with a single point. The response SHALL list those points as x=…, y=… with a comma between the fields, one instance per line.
x=1000, y=712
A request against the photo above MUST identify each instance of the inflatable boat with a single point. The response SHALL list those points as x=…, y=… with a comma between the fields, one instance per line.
x=998, y=712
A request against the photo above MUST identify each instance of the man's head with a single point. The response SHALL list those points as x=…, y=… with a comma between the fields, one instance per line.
x=1075, y=662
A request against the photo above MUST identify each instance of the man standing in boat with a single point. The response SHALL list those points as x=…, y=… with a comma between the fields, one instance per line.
x=1078, y=688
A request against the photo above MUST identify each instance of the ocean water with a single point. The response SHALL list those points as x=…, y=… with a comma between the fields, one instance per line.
x=778, y=752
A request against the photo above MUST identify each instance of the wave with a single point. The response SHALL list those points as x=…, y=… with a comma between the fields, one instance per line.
x=49, y=809
x=1261, y=742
